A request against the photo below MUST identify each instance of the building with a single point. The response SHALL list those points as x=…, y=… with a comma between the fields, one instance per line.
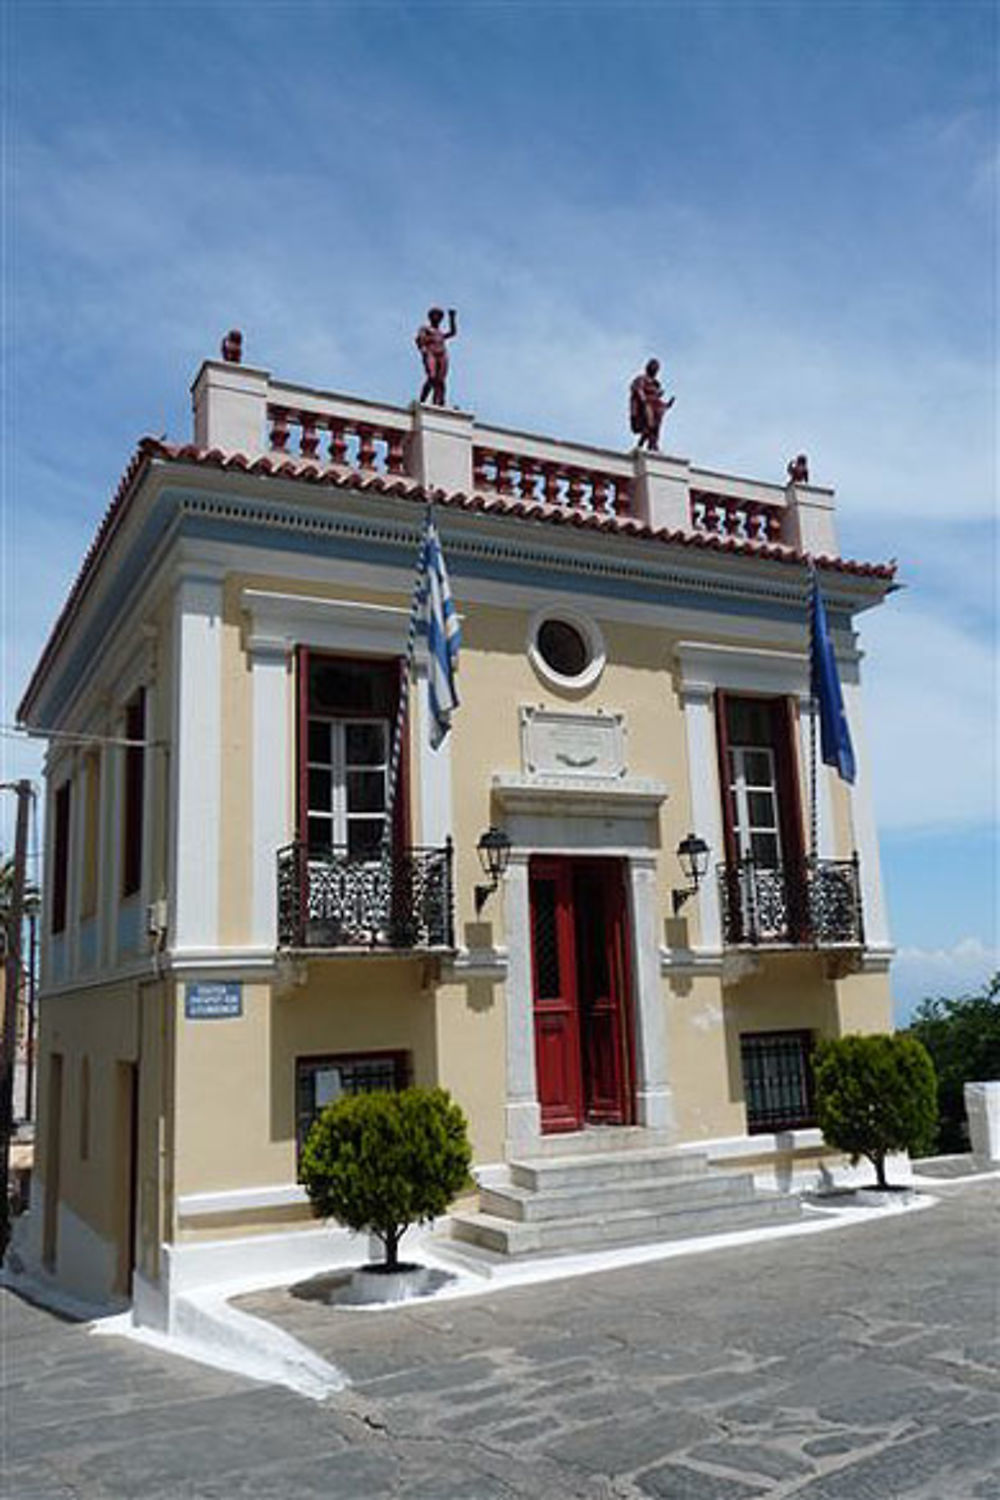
x=222, y=951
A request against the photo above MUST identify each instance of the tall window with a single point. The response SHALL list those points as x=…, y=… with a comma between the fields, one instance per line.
x=135, y=773
x=85, y=1109
x=60, y=857
x=347, y=713
x=348, y=764
x=91, y=833
x=762, y=815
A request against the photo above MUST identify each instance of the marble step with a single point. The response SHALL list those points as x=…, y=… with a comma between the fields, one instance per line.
x=547, y=1174
x=600, y=1198
x=598, y=1138
x=629, y=1227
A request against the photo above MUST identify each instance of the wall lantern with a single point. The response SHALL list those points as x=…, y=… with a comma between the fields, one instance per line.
x=692, y=853
x=494, y=853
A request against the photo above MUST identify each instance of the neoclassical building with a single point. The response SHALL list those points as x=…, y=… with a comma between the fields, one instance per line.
x=226, y=948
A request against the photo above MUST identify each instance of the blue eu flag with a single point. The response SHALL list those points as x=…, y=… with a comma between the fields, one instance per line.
x=835, y=738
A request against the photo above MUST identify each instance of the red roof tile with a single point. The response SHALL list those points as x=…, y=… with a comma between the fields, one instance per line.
x=306, y=471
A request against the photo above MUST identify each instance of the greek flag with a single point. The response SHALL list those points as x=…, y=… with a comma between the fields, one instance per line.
x=439, y=624
x=835, y=738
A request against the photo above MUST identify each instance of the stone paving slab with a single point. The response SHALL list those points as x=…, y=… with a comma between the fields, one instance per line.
x=856, y=1365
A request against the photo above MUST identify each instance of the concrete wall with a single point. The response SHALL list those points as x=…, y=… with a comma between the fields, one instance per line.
x=102, y=1173
x=236, y=1077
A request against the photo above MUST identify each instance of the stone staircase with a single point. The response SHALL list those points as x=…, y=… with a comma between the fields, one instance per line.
x=601, y=1193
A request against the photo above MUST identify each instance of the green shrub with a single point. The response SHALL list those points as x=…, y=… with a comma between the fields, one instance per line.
x=963, y=1039
x=380, y=1162
x=874, y=1095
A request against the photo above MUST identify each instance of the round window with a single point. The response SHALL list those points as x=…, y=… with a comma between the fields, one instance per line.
x=566, y=648
x=562, y=648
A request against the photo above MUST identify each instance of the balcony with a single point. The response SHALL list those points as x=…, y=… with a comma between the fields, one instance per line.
x=816, y=904
x=337, y=902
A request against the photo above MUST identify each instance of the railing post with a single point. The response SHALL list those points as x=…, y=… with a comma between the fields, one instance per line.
x=449, y=923
x=662, y=491
x=858, y=906
x=441, y=448
x=810, y=524
x=230, y=407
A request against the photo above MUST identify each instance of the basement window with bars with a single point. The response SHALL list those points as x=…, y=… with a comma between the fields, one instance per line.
x=320, y=1081
x=777, y=1080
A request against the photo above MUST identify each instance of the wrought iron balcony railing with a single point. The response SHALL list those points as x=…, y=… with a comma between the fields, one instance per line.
x=813, y=904
x=335, y=901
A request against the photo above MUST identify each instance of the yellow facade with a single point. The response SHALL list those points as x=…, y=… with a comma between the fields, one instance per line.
x=163, y=1129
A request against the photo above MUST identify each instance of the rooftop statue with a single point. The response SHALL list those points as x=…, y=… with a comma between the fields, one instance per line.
x=798, y=469
x=647, y=407
x=430, y=341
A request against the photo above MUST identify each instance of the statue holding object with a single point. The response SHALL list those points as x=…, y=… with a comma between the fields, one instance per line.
x=647, y=406
x=431, y=341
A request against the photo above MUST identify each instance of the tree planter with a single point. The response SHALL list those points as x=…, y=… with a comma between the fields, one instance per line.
x=892, y=1196
x=375, y=1284
x=371, y=1286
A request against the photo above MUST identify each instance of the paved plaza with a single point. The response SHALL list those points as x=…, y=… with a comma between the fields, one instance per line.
x=855, y=1365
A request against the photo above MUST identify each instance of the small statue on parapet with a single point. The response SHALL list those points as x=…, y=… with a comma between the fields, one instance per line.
x=430, y=341
x=798, y=469
x=647, y=408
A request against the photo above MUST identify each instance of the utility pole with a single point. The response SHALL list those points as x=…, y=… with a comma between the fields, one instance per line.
x=12, y=983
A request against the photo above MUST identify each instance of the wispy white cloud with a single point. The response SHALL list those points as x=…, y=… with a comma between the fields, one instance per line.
x=922, y=973
x=930, y=691
x=323, y=217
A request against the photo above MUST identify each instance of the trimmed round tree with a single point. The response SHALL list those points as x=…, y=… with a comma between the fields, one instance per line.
x=874, y=1095
x=383, y=1161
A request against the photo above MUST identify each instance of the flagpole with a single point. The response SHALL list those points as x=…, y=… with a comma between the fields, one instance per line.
x=813, y=710
x=405, y=675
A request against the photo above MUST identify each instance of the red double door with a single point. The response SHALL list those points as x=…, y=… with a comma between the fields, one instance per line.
x=581, y=980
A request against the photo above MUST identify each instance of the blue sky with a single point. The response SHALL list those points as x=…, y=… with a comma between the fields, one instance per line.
x=794, y=206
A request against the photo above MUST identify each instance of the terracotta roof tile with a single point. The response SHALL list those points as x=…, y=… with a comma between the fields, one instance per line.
x=399, y=486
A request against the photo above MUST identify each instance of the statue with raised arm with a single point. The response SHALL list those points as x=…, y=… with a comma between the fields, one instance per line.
x=647, y=406
x=431, y=341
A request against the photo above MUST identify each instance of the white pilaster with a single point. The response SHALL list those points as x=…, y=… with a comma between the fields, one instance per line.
x=524, y=1115
x=197, y=769
x=826, y=848
x=272, y=782
x=436, y=815
x=107, y=893
x=863, y=817
x=706, y=802
x=654, y=1107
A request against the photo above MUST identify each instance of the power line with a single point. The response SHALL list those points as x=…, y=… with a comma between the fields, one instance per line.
x=75, y=737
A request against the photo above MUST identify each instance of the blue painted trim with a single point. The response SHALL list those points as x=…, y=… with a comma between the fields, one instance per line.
x=392, y=551
x=498, y=569
x=82, y=658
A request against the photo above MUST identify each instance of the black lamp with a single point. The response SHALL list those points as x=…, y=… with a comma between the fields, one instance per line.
x=494, y=853
x=693, y=855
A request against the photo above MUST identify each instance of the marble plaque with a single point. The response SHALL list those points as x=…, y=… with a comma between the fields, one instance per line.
x=564, y=744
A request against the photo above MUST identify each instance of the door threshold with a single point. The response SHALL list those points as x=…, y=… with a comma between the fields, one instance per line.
x=597, y=1139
